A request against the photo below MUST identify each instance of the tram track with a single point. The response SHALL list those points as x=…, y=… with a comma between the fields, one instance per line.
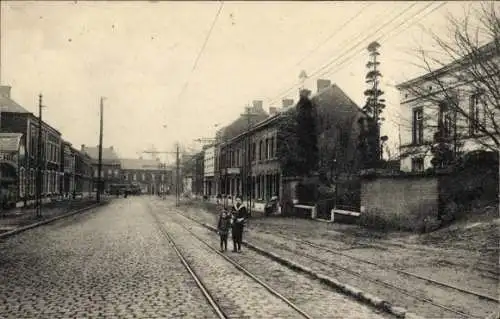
x=217, y=304
x=382, y=283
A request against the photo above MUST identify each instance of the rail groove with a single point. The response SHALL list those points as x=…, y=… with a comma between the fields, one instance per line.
x=380, y=282
x=200, y=284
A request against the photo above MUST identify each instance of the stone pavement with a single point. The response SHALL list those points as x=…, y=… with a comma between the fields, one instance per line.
x=112, y=263
x=450, y=267
x=315, y=299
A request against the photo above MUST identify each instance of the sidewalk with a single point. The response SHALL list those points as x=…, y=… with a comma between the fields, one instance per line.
x=20, y=217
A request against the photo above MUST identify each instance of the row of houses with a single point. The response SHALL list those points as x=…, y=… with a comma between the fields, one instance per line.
x=222, y=168
x=66, y=170
x=243, y=160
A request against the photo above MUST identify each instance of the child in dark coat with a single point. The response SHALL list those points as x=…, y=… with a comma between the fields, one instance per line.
x=223, y=229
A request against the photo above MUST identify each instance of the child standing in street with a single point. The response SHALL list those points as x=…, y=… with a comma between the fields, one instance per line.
x=223, y=229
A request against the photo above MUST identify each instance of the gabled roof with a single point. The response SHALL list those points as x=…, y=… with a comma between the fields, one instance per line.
x=108, y=154
x=334, y=97
x=9, y=142
x=331, y=97
x=9, y=106
x=140, y=164
x=240, y=125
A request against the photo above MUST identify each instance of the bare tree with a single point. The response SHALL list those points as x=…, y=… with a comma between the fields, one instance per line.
x=460, y=92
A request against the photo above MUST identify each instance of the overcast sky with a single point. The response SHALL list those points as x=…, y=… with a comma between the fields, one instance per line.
x=140, y=55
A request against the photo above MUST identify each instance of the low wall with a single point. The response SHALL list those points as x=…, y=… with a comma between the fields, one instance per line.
x=400, y=195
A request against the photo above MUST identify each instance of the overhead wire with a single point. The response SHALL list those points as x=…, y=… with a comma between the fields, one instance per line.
x=195, y=65
x=351, y=48
x=390, y=34
x=347, y=22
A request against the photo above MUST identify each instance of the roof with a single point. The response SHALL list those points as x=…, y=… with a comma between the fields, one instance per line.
x=108, y=154
x=331, y=97
x=240, y=125
x=9, y=106
x=334, y=97
x=488, y=48
x=140, y=164
x=9, y=142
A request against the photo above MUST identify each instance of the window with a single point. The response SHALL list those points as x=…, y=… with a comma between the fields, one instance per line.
x=418, y=126
x=110, y=172
x=124, y=177
x=254, y=151
x=22, y=182
x=135, y=177
x=143, y=176
x=446, y=120
x=116, y=172
x=267, y=155
x=271, y=145
x=476, y=117
x=417, y=164
x=261, y=150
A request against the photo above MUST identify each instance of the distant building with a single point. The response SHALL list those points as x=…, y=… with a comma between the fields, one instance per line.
x=111, y=166
x=209, y=183
x=152, y=176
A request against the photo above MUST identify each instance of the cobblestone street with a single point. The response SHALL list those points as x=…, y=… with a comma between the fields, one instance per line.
x=109, y=262
x=315, y=299
x=113, y=262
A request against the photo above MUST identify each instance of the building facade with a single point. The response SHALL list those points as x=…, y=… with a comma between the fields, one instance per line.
x=442, y=102
x=209, y=184
x=338, y=132
x=16, y=119
x=111, y=166
x=151, y=176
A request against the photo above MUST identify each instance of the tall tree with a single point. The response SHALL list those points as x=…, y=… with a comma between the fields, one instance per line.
x=370, y=128
x=287, y=148
x=307, y=139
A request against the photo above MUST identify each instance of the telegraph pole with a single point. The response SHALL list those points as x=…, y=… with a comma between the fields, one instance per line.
x=99, y=165
x=40, y=161
x=177, y=186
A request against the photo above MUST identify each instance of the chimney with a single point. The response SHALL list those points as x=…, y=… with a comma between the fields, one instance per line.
x=287, y=103
x=273, y=111
x=323, y=84
x=83, y=147
x=257, y=105
x=5, y=91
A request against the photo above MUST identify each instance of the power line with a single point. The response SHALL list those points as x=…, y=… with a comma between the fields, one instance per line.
x=339, y=66
x=353, y=47
x=195, y=65
x=351, y=19
x=340, y=45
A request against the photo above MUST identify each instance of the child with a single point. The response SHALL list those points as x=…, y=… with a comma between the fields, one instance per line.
x=223, y=229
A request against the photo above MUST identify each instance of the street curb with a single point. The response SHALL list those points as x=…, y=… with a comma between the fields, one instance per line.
x=358, y=294
x=47, y=221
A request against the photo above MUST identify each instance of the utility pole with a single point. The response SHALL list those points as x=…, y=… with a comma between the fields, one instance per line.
x=40, y=161
x=177, y=177
x=99, y=165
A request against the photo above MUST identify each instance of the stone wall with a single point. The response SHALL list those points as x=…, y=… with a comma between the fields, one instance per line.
x=400, y=195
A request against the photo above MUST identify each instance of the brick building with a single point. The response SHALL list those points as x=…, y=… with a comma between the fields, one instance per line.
x=111, y=166
x=151, y=175
x=17, y=119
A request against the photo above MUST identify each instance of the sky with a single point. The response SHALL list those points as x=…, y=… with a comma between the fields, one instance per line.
x=141, y=57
